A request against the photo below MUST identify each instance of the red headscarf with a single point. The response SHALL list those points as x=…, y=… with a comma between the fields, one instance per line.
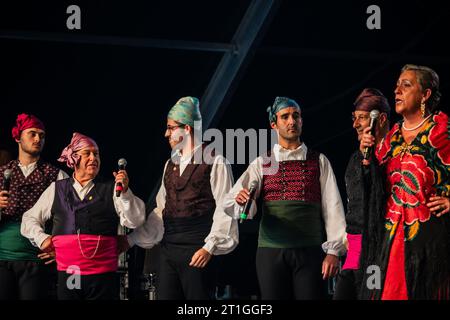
x=78, y=142
x=26, y=121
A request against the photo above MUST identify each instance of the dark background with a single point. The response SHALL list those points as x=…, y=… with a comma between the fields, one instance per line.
x=321, y=54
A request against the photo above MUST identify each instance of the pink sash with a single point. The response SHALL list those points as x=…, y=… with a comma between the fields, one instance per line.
x=354, y=252
x=90, y=254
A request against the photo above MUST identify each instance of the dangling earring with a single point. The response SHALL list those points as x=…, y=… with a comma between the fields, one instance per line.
x=422, y=109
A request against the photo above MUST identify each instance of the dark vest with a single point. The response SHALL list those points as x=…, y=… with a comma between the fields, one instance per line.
x=190, y=204
x=95, y=214
x=24, y=192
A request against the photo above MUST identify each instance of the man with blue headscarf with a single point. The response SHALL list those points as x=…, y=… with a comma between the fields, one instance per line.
x=188, y=220
x=302, y=224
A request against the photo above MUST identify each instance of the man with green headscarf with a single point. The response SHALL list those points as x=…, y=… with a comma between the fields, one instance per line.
x=302, y=224
x=188, y=219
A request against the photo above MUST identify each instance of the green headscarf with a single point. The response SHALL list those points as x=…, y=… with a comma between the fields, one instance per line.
x=186, y=111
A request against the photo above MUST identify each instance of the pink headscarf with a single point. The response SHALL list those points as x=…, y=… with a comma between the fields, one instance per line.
x=78, y=142
x=26, y=121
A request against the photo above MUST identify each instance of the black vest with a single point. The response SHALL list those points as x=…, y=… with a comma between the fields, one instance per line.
x=94, y=215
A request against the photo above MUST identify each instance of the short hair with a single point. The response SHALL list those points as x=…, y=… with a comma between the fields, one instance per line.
x=428, y=79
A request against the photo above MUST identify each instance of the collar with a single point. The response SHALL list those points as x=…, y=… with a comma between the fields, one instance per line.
x=282, y=154
x=186, y=158
x=30, y=166
x=78, y=187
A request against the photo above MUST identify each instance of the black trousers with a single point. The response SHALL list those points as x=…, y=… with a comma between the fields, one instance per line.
x=23, y=280
x=176, y=280
x=348, y=285
x=103, y=286
x=285, y=274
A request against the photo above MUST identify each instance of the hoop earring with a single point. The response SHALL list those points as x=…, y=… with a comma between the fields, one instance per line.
x=422, y=109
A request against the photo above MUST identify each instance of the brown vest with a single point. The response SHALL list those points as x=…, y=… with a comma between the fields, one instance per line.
x=24, y=192
x=190, y=204
x=190, y=194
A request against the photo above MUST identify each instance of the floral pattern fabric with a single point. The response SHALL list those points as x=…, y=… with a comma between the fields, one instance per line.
x=415, y=172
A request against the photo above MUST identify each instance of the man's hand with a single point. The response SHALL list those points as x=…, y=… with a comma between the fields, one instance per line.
x=330, y=266
x=200, y=258
x=47, y=255
x=243, y=196
x=367, y=140
x=48, y=251
x=122, y=244
x=122, y=177
x=4, y=195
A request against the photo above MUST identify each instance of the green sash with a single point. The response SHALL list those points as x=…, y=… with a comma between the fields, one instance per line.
x=13, y=246
x=291, y=224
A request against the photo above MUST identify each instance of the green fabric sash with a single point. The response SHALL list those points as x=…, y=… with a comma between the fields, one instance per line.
x=13, y=246
x=291, y=224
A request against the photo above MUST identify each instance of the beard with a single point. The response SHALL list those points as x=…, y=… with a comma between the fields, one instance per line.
x=290, y=136
x=33, y=151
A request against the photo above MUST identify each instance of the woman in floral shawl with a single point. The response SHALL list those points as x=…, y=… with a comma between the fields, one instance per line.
x=414, y=254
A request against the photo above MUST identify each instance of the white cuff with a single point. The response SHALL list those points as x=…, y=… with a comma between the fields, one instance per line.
x=40, y=239
x=210, y=247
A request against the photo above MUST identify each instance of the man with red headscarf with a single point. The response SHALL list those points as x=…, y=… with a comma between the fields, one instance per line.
x=86, y=214
x=22, y=274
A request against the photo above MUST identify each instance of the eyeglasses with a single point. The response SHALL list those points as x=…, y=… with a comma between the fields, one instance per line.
x=360, y=117
x=172, y=128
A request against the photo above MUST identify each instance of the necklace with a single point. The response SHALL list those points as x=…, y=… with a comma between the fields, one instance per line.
x=418, y=126
x=81, y=249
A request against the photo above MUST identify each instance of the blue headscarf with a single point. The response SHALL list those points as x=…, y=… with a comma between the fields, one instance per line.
x=279, y=104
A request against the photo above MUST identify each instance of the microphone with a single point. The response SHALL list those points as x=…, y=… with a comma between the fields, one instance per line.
x=6, y=179
x=374, y=115
x=122, y=163
x=248, y=204
x=6, y=183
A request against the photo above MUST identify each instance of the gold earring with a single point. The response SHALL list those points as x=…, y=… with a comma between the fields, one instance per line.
x=422, y=109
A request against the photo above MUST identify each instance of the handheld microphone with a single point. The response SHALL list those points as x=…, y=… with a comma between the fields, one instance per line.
x=6, y=179
x=122, y=163
x=374, y=115
x=6, y=183
x=248, y=204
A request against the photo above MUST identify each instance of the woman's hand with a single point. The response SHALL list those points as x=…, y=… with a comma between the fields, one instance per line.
x=439, y=205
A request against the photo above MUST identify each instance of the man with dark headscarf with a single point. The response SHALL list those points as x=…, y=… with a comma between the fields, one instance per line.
x=22, y=275
x=85, y=213
x=188, y=219
x=302, y=224
x=363, y=222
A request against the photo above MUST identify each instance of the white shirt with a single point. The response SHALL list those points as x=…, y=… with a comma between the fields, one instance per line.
x=130, y=209
x=332, y=208
x=224, y=235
